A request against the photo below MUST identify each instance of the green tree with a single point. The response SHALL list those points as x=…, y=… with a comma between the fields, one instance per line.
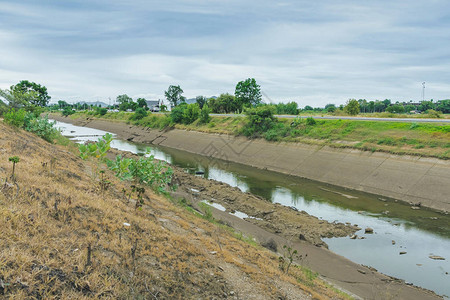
x=142, y=103
x=330, y=108
x=352, y=107
x=259, y=120
x=426, y=105
x=396, y=108
x=225, y=103
x=307, y=107
x=191, y=113
x=201, y=100
x=124, y=102
x=290, y=108
x=247, y=93
x=174, y=95
x=443, y=106
x=38, y=93
x=204, y=114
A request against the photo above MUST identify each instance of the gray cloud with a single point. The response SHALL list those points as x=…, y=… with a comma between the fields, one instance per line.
x=311, y=52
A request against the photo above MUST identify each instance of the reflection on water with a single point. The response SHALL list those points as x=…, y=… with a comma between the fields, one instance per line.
x=397, y=227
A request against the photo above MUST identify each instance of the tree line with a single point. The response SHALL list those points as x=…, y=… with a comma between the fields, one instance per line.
x=32, y=96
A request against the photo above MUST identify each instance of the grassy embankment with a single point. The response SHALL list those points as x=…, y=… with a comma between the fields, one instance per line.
x=422, y=139
x=63, y=237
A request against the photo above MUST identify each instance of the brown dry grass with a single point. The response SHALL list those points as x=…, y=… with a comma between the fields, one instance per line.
x=62, y=238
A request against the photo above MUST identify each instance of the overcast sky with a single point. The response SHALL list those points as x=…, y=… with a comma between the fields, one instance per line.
x=311, y=52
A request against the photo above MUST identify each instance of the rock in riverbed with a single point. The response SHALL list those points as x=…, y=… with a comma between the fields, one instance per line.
x=436, y=257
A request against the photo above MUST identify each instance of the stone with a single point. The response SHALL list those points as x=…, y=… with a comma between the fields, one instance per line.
x=436, y=257
x=368, y=230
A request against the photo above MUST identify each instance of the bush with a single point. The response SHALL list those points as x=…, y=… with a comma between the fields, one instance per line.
x=101, y=111
x=191, y=113
x=67, y=111
x=204, y=114
x=176, y=115
x=259, y=120
x=310, y=121
x=15, y=118
x=42, y=127
x=139, y=114
x=434, y=114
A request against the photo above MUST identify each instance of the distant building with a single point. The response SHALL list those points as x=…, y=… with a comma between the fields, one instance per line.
x=153, y=105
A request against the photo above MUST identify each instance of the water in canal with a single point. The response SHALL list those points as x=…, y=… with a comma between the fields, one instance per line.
x=397, y=227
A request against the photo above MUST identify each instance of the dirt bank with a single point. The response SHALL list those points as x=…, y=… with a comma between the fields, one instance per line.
x=411, y=179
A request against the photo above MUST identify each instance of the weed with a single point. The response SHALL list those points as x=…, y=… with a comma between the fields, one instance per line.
x=14, y=160
x=310, y=121
x=289, y=255
x=207, y=213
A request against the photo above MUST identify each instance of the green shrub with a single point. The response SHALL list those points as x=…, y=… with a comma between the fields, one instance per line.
x=310, y=121
x=139, y=114
x=67, y=111
x=101, y=111
x=42, y=127
x=15, y=118
x=204, y=114
x=176, y=115
x=259, y=120
x=191, y=113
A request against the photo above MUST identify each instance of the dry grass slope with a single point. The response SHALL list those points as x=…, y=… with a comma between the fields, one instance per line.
x=62, y=238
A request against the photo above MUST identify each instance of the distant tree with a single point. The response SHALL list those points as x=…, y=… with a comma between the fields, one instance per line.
x=426, y=105
x=124, y=102
x=371, y=106
x=352, y=107
x=247, y=93
x=307, y=107
x=174, y=95
x=363, y=105
x=444, y=106
x=396, y=108
x=290, y=108
x=409, y=108
x=201, y=100
x=379, y=106
x=330, y=108
x=62, y=103
x=141, y=102
x=225, y=103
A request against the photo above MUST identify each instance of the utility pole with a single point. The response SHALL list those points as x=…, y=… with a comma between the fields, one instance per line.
x=423, y=91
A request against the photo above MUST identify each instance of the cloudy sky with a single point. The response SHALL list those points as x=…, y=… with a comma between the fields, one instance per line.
x=311, y=52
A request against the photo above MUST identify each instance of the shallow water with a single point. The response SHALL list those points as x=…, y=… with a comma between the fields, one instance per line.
x=397, y=227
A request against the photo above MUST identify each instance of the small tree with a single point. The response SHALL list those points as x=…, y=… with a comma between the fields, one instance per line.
x=14, y=160
x=204, y=114
x=191, y=113
x=173, y=95
x=248, y=93
x=201, y=100
x=352, y=107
